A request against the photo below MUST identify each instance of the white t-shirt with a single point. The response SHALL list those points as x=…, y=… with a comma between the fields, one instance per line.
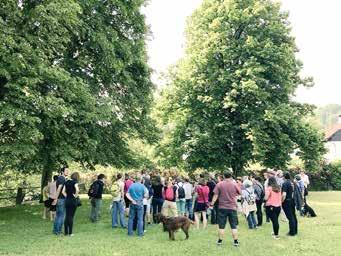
x=188, y=187
x=305, y=179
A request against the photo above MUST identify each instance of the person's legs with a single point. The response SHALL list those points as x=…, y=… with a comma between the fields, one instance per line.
x=98, y=208
x=253, y=219
x=59, y=219
x=293, y=212
x=173, y=209
x=92, y=210
x=249, y=221
x=67, y=218
x=196, y=219
x=182, y=207
x=222, y=218
x=204, y=219
x=72, y=215
x=233, y=220
x=259, y=213
x=121, y=213
x=288, y=213
x=132, y=211
x=273, y=213
x=114, y=212
x=140, y=210
x=144, y=217
x=160, y=202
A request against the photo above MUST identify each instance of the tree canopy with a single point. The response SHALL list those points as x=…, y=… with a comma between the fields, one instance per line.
x=230, y=99
x=74, y=83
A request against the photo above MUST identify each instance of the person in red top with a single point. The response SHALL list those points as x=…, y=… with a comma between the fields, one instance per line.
x=226, y=192
x=201, y=203
x=127, y=183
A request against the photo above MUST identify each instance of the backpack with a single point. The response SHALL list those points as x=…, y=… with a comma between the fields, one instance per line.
x=93, y=190
x=169, y=193
x=250, y=199
x=181, y=192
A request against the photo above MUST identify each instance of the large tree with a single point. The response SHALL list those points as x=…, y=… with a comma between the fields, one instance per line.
x=74, y=83
x=230, y=98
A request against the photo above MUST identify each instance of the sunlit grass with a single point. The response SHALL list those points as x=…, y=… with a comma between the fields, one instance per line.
x=23, y=232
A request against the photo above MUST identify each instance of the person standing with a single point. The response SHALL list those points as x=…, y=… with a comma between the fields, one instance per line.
x=180, y=200
x=226, y=192
x=288, y=204
x=273, y=203
x=117, y=210
x=157, y=200
x=249, y=203
x=95, y=194
x=127, y=183
x=60, y=206
x=299, y=193
x=201, y=204
x=259, y=192
x=70, y=192
x=135, y=194
x=188, y=187
x=211, y=185
x=170, y=193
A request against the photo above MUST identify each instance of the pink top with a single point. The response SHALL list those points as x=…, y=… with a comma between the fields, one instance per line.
x=127, y=184
x=274, y=198
x=203, y=192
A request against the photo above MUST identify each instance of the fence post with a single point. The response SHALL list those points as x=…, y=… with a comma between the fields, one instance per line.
x=20, y=196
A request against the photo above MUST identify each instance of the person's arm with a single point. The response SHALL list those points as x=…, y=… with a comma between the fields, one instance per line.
x=77, y=190
x=214, y=199
x=130, y=198
x=59, y=190
x=64, y=192
x=267, y=194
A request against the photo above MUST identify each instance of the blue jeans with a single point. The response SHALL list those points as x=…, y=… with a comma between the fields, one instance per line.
x=157, y=207
x=117, y=209
x=59, y=219
x=135, y=209
x=251, y=220
x=189, y=208
x=96, y=205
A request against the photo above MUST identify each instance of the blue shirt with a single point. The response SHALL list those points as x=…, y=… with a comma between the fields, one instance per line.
x=136, y=191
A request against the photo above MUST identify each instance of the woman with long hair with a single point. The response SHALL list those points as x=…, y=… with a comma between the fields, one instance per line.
x=273, y=198
x=201, y=204
x=157, y=200
x=70, y=192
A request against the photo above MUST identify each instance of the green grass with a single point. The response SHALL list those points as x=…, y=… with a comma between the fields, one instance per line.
x=23, y=232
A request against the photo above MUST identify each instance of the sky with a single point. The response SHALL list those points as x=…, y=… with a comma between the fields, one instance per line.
x=316, y=27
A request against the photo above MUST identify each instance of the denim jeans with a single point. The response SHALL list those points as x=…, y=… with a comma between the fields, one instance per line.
x=251, y=220
x=180, y=204
x=59, y=219
x=135, y=209
x=117, y=209
x=157, y=207
x=189, y=208
x=96, y=205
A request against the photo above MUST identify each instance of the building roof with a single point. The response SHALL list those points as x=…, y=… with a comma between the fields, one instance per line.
x=334, y=129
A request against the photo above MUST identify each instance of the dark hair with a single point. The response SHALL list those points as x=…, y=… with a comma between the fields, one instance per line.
x=202, y=182
x=287, y=176
x=101, y=176
x=257, y=178
x=55, y=177
x=62, y=170
x=126, y=176
x=75, y=176
x=274, y=185
x=118, y=176
x=227, y=175
x=157, y=180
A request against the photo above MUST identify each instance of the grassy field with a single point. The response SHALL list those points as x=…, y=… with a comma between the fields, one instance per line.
x=23, y=232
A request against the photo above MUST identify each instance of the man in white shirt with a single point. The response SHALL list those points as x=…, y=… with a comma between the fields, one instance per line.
x=305, y=178
x=188, y=187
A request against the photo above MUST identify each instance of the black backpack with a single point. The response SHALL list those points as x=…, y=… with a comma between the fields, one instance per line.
x=93, y=190
x=181, y=192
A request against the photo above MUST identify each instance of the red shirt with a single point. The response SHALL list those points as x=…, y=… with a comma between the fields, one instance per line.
x=202, y=192
x=227, y=191
x=127, y=184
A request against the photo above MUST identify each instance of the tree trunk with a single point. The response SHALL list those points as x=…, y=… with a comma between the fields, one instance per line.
x=20, y=196
x=45, y=177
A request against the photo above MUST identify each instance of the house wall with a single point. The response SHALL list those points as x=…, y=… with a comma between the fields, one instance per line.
x=333, y=150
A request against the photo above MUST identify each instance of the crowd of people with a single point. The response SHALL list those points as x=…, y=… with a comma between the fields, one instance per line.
x=219, y=198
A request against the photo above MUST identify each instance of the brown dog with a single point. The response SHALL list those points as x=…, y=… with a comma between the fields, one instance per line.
x=172, y=224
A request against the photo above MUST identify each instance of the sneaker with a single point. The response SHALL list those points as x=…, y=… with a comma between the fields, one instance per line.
x=236, y=243
x=71, y=235
x=219, y=242
x=276, y=237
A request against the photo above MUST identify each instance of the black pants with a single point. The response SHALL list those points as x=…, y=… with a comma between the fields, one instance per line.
x=273, y=213
x=289, y=210
x=259, y=212
x=157, y=204
x=70, y=210
x=214, y=214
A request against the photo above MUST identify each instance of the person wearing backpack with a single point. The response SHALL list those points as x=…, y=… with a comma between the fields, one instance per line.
x=117, y=192
x=95, y=195
x=249, y=203
x=259, y=192
x=181, y=201
x=170, y=193
x=201, y=205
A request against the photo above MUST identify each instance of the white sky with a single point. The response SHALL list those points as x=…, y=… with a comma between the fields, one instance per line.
x=316, y=26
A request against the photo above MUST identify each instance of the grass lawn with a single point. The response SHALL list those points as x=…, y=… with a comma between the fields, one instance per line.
x=23, y=232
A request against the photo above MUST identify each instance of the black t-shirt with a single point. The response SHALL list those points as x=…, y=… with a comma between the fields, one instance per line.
x=61, y=181
x=157, y=191
x=288, y=188
x=70, y=188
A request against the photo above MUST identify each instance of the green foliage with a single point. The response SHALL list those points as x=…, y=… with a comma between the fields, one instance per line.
x=229, y=99
x=74, y=83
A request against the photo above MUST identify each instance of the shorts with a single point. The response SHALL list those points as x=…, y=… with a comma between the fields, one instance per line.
x=48, y=203
x=200, y=207
x=126, y=201
x=53, y=208
x=223, y=214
